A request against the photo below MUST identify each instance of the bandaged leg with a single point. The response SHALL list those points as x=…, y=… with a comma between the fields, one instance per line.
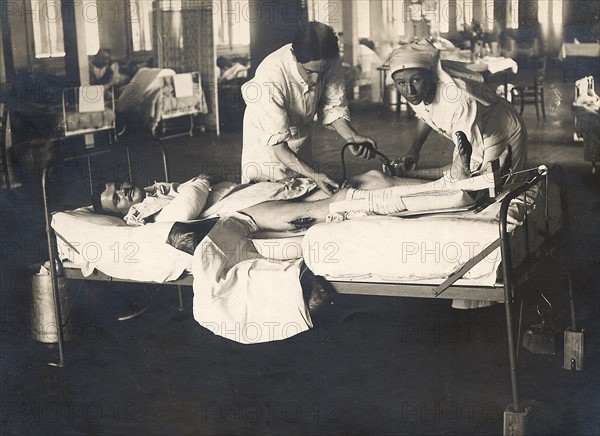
x=386, y=201
x=390, y=200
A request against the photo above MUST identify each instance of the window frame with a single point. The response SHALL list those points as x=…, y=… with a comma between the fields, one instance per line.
x=228, y=26
x=30, y=34
x=139, y=55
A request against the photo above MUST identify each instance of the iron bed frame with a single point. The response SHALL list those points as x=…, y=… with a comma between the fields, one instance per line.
x=504, y=292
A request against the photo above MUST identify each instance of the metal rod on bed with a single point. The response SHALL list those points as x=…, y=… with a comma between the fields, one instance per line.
x=129, y=164
x=53, y=274
x=89, y=164
x=507, y=270
x=164, y=156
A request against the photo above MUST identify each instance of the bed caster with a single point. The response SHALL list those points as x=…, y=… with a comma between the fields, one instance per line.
x=573, y=353
x=514, y=422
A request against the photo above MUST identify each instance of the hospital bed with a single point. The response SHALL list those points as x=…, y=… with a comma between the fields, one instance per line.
x=528, y=223
x=156, y=96
x=87, y=109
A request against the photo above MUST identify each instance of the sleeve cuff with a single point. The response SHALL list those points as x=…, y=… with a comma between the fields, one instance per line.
x=279, y=137
x=333, y=114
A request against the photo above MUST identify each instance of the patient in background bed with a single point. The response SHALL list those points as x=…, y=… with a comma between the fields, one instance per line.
x=105, y=72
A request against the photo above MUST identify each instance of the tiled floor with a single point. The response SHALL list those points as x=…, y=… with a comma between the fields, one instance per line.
x=371, y=366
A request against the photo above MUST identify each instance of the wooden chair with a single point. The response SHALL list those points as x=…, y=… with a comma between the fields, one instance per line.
x=533, y=92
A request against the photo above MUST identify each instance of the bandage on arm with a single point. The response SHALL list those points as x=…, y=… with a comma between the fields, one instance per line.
x=187, y=204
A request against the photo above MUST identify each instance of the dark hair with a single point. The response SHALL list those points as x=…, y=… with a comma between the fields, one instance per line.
x=223, y=62
x=367, y=43
x=103, y=54
x=97, y=202
x=315, y=41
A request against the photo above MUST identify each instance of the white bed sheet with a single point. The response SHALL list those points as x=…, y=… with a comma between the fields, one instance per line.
x=108, y=244
x=140, y=253
x=419, y=250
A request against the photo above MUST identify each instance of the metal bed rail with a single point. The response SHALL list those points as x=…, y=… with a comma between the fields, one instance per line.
x=504, y=292
x=56, y=266
x=514, y=417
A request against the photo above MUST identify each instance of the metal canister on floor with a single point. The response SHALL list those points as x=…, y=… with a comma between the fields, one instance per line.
x=43, y=318
x=391, y=99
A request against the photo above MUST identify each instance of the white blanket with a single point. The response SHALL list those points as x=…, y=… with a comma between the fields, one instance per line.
x=425, y=249
x=106, y=243
x=238, y=294
x=242, y=296
x=145, y=82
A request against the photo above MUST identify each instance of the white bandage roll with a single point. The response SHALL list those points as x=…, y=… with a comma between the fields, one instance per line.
x=381, y=201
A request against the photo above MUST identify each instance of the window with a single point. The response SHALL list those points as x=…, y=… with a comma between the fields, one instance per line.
x=544, y=14
x=550, y=14
x=169, y=5
x=47, y=25
x=140, y=14
x=512, y=20
x=557, y=17
x=364, y=18
x=393, y=17
x=47, y=28
x=488, y=14
x=323, y=11
x=444, y=15
x=232, y=22
x=464, y=12
x=90, y=16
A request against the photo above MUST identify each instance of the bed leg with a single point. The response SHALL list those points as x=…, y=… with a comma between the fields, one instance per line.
x=573, y=348
x=514, y=422
x=514, y=417
x=53, y=275
x=180, y=292
x=512, y=355
x=191, y=125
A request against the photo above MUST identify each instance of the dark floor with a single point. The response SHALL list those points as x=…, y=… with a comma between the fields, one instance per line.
x=370, y=366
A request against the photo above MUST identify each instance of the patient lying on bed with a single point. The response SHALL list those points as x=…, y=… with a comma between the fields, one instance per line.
x=293, y=208
x=373, y=192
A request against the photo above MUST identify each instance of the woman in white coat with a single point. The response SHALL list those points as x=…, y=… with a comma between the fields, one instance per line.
x=291, y=86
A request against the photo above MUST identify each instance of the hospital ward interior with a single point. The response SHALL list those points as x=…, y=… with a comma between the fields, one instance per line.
x=214, y=217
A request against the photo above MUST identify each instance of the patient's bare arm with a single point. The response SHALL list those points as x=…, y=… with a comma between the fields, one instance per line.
x=386, y=197
x=292, y=215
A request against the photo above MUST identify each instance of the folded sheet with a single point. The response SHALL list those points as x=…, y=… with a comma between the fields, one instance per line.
x=242, y=296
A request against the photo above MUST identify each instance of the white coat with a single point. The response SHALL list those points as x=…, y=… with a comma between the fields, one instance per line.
x=280, y=107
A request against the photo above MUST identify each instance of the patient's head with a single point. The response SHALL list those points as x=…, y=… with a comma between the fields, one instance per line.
x=223, y=63
x=114, y=198
x=102, y=58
